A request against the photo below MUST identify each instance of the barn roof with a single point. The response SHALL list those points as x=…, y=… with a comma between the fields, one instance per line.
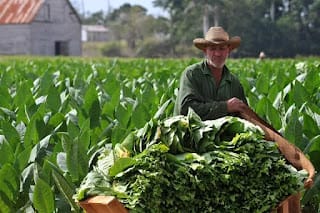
x=18, y=11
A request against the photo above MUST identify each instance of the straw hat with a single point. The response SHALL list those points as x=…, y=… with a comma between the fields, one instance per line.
x=217, y=36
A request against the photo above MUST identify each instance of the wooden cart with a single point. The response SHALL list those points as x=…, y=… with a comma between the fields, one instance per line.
x=109, y=204
x=103, y=204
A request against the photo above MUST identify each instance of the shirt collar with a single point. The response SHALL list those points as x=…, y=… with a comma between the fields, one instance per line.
x=226, y=73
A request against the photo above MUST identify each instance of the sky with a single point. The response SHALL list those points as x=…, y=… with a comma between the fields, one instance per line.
x=98, y=5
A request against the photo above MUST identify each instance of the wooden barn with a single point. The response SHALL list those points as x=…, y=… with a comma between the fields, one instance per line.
x=39, y=27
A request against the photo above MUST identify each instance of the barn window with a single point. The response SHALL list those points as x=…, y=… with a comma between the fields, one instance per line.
x=45, y=14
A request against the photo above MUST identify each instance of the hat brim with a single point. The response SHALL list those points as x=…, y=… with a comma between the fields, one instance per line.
x=202, y=44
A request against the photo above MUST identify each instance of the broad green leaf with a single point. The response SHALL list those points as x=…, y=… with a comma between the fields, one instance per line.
x=313, y=149
x=79, y=79
x=316, y=111
x=118, y=134
x=76, y=147
x=84, y=135
x=5, y=205
x=9, y=181
x=92, y=106
x=56, y=119
x=281, y=78
x=293, y=130
x=73, y=130
x=72, y=154
x=27, y=177
x=127, y=90
x=53, y=99
x=123, y=114
x=161, y=111
x=108, y=110
x=312, y=80
x=23, y=157
x=273, y=92
x=113, y=92
x=23, y=113
x=85, y=138
x=310, y=126
x=7, y=113
x=5, y=97
x=57, y=122
x=314, y=144
x=65, y=187
x=260, y=108
x=314, y=158
x=43, y=197
x=299, y=94
x=39, y=149
x=46, y=169
x=313, y=192
x=273, y=116
x=34, y=130
x=24, y=95
x=148, y=95
x=289, y=95
x=262, y=84
x=266, y=109
x=139, y=115
x=11, y=134
x=252, y=99
x=7, y=155
x=120, y=165
x=46, y=82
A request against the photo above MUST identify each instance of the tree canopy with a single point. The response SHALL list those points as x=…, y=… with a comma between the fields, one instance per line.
x=280, y=28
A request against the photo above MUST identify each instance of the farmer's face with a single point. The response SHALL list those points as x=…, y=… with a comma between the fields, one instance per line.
x=217, y=55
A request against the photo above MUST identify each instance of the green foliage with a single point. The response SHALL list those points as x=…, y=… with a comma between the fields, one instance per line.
x=56, y=115
x=154, y=48
x=279, y=28
x=43, y=196
x=113, y=49
x=160, y=175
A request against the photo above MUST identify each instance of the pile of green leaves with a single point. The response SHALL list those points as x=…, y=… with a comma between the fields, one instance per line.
x=183, y=164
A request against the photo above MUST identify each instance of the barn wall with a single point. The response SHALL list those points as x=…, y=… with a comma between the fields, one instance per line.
x=14, y=39
x=56, y=23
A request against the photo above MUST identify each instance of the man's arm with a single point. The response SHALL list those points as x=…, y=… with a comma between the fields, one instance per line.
x=206, y=110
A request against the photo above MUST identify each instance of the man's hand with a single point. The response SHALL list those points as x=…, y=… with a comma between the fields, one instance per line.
x=236, y=105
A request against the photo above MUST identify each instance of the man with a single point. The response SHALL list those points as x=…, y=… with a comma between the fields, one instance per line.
x=208, y=87
x=212, y=91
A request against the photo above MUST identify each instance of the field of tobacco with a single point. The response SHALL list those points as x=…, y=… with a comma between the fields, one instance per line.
x=58, y=114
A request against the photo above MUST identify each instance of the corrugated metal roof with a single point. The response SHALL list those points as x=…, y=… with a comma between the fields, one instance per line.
x=18, y=11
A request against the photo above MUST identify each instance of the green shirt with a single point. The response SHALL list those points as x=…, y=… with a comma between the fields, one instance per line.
x=199, y=91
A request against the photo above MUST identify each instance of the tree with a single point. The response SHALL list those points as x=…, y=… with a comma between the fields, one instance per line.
x=130, y=21
x=95, y=18
x=314, y=26
x=281, y=28
x=132, y=24
x=295, y=28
